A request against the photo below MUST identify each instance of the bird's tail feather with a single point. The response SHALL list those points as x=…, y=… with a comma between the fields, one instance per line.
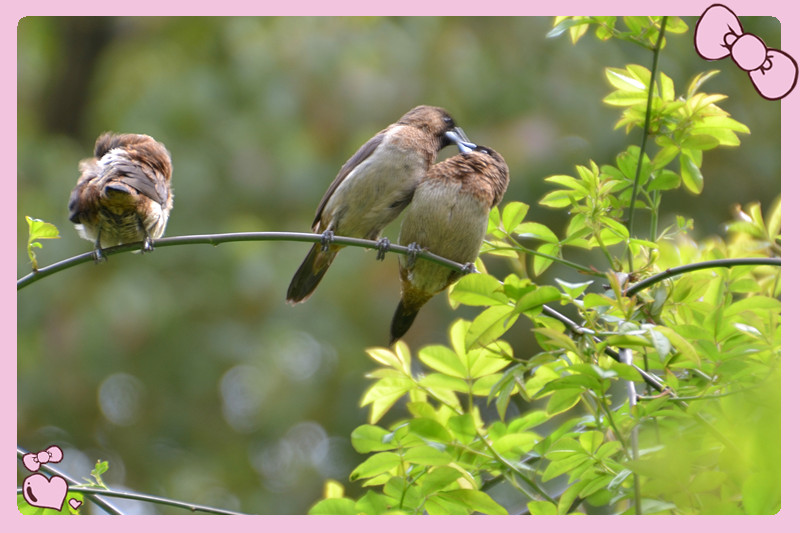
x=310, y=273
x=404, y=316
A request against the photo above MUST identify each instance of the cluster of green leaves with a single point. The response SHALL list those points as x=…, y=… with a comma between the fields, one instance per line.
x=643, y=404
x=643, y=31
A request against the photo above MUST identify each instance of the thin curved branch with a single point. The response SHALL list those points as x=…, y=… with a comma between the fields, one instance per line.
x=716, y=263
x=100, y=502
x=110, y=493
x=219, y=238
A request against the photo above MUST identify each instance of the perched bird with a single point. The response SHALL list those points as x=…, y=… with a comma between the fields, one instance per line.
x=123, y=194
x=373, y=187
x=448, y=217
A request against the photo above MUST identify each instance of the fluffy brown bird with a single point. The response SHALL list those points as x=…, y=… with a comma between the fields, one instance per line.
x=123, y=194
x=374, y=186
x=448, y=217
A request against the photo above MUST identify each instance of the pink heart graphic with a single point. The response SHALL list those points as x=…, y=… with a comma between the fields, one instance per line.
x=42, y=492
x=75, y=503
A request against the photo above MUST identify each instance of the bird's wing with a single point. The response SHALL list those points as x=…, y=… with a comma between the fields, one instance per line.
x=134, y=176
x=363, y=153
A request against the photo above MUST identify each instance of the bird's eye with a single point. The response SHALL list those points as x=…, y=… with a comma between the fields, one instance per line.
x=449, y=121
x=485, y=151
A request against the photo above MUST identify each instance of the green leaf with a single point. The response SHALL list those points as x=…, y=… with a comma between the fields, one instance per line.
x=444, y=360
x=573, y=290
x=569, y=182
x=594, y=485
x=660, y=343
x=665, y=156
x=566, y=24
x=443, y=383
x=563, y=400
x=534, y=230
x=367, y=438
x=513, y=214
x=373, y=503
x=334, y=506
x=750, y=303
x=527, y=421
x=463, y=427
x=681, y=345
x=478, y=289
x=676, y=25
x=39, y=229
x=700, y=142
x=490, y=325
x=664, y=180
x=569, y=495
x=624, y=371
x=542, y=262
x=430, y=430
x=390, y=358
x=691, y=176
x=550, y=338
x=626, y=99
x=477, y=501
x=442, y=503
x=515, y=444
x=561, y=466
x=426, y=455
x=383, y=395
x=537, y=298
x=572, y=381
x=557, y=199
x=542, y=508
x=699, y=80
x=483, y=362
x=380, y=463
x=624, y=80
x=438, y=479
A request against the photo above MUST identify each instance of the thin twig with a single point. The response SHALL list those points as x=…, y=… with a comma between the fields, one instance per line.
x=219, y=238
x=90, y=491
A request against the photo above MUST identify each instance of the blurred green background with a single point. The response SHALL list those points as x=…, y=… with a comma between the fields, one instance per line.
x=184, y=368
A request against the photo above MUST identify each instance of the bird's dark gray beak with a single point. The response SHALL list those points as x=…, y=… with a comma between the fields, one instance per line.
x=459, y=138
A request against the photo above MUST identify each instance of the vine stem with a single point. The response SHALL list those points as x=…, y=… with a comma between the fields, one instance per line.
x=646, y=133
x=716, y=263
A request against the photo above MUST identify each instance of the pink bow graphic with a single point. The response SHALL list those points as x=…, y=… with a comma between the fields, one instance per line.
x=53, y=454
x=719, y=33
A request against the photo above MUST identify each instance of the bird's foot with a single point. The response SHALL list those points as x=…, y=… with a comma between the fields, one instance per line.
x=469, y=268
x=98, y=256
x=147, y=244
x=326, y=239
x=413, y=250
x=383, y=246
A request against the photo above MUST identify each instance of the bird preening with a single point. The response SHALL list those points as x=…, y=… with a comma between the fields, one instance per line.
x=373, y=187
x=123, y=194
x=448, y=205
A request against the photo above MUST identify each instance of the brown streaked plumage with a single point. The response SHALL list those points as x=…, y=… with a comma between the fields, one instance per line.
x=123, y=194
x=374, y=186
x=448, y=217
